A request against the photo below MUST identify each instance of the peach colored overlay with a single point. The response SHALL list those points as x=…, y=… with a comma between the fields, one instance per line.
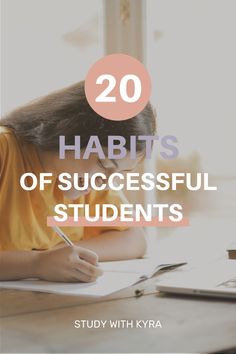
x=84, y=222
x=119, y=66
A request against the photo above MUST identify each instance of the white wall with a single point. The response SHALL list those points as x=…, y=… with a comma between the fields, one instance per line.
x=191, y=52
x=46, y=45
x=191, y=57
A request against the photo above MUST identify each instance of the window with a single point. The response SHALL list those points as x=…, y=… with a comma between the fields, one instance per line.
x=191, y=57
x=47, y=45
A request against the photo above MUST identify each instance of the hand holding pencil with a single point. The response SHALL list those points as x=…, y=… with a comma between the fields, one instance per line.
x=68, y=263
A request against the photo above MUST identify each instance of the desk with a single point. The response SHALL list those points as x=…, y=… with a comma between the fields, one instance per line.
x=37, y=322
x=188, y=325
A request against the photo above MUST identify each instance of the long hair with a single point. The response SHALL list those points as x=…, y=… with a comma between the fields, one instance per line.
x=67, y=112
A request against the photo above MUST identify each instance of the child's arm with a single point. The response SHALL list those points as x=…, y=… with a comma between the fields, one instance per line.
x=60, y=264
x=16, y=265
x=117, y=245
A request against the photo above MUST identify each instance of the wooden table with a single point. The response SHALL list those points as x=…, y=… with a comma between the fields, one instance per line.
x=37, y=322
x=189, y=325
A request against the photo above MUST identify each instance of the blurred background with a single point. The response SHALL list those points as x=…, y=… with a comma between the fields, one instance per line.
x=189, y=49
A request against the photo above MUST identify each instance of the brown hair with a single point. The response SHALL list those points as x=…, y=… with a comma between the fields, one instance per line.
x=67, y=112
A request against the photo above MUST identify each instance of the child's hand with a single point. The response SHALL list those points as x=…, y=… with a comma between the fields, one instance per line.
x=63, y=264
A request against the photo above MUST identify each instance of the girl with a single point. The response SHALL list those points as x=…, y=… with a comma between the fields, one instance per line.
x=29, y=142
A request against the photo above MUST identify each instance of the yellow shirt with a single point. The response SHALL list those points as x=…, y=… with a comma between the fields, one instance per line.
x=23, y=214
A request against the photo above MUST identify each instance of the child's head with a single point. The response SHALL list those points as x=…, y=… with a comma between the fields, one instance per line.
x=67, y=112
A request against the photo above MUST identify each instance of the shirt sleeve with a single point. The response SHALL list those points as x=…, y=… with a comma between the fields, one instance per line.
x=105, y=197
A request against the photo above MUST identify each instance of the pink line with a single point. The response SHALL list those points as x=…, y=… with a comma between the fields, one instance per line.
x=83, y=222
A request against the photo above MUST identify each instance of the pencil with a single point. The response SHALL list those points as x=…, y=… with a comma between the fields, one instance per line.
x=60, y=233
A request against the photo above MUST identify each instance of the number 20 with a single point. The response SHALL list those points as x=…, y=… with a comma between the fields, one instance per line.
x=103, y=97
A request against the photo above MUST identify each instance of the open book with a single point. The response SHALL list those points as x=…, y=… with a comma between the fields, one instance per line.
x=117, y=276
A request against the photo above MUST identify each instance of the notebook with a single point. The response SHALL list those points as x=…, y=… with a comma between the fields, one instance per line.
x=117, y=276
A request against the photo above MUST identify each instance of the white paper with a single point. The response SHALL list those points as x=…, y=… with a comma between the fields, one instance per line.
x=117, y=276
